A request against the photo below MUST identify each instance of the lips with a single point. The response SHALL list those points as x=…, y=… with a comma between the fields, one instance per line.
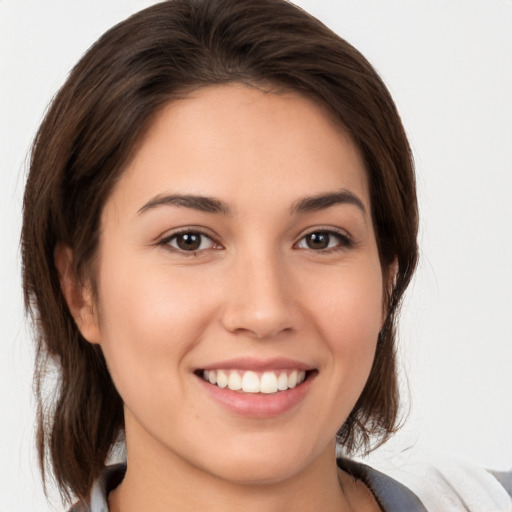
x=249, y=381
x=257, y=388
x=255, y=403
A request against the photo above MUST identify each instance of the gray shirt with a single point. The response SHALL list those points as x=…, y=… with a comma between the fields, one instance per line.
x=391, y=495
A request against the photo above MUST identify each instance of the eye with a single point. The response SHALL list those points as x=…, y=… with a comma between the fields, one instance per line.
x=189, y=241
x=322, y=240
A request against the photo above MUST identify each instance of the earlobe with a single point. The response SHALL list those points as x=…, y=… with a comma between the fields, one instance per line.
x=79, y=296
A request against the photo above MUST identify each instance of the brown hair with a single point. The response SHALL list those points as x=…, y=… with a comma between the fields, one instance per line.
x=92, y=128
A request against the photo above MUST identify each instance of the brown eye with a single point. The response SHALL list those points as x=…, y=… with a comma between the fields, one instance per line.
x=321, y=240
x=318, y=240
x=190, y=242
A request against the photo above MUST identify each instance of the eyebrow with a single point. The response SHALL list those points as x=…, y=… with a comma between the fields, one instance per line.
x=322, y=201
x=212, y=205
x=201, y=203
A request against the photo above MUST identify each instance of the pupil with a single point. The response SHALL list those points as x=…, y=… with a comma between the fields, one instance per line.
x=189, y=241
x=318, y=240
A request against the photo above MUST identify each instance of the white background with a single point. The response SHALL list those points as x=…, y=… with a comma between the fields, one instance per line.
x=449, y=66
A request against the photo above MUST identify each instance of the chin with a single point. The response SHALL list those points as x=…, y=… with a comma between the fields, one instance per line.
x=257, y=473
x=260, y=463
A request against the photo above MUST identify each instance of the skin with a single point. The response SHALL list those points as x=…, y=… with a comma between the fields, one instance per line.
x=254, y=289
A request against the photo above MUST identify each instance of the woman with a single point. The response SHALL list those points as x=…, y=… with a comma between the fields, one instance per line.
x=219, y=224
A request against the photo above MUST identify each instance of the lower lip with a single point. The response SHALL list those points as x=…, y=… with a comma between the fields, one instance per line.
x=258, y=405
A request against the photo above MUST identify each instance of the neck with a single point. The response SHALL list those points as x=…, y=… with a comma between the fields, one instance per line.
x=161, y=482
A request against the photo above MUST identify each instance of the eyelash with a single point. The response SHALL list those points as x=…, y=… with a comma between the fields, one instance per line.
x=166, y=242
x=344, y=241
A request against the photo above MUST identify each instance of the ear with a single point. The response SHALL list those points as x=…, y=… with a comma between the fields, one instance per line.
x=79, y=296
x=389, y=285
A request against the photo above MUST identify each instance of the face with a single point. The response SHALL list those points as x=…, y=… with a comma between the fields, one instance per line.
x=239, y=288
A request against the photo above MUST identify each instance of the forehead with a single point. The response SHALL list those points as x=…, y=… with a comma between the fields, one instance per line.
x=232, y=140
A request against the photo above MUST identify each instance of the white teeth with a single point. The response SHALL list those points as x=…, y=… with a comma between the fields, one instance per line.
x=292, y=379
x=268, y=383
x=282, y=382
x=234, y=381
x=251, y=382
x=222, y=379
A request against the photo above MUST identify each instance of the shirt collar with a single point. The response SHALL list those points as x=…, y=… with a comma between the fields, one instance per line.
x=391, y=495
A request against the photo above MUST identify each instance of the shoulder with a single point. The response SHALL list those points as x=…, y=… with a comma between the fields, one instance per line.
x=448, y=485
x=391, y=495
x=98, y=501
x=451, y=485
x=443, y=486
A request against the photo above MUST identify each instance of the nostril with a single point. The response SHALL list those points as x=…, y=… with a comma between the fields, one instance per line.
x=260, y=304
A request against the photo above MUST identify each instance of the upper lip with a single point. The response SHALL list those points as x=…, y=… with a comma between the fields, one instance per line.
x=254, y=364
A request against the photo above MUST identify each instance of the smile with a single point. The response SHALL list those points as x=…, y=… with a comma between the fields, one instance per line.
x=247, y=381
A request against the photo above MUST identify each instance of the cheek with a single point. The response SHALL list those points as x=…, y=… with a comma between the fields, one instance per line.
x=149, y=321
x=349, y=315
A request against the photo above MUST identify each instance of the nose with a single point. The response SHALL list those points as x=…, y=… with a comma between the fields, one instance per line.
x=260, y=298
